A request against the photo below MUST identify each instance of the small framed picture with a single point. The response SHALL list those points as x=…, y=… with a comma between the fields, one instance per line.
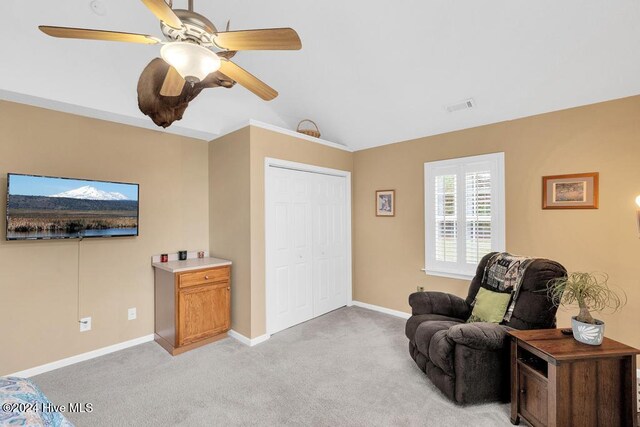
x=575, y=191
x=385, y=203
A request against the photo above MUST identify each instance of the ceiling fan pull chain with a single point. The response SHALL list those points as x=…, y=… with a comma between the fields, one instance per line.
x=190, y=5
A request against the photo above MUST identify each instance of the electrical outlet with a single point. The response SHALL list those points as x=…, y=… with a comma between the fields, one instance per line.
x=420, y=288
x=132, y=314
x=85, y=324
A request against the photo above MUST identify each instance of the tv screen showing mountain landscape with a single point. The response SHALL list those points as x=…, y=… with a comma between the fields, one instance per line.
x=40, y=207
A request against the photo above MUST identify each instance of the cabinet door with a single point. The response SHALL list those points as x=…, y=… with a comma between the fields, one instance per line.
x=203, y=312
x=533, y=398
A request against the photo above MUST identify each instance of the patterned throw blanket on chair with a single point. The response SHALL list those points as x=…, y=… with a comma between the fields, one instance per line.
x=504, y=273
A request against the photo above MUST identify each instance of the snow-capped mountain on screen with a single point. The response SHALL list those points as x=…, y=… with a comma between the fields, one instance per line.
x=91, y=193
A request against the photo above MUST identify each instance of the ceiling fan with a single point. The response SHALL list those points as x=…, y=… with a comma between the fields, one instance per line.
x=194, y=48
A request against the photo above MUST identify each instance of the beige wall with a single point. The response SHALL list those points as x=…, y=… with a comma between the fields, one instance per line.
x=236, y=163
x=230, y=219
x=389, y=252
x=189, y=188
x=38, y=279
x=265, y=143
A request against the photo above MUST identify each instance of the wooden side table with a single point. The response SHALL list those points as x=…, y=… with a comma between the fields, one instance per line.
x=558, y=382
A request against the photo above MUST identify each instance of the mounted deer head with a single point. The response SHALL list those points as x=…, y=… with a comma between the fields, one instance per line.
x=164, y=110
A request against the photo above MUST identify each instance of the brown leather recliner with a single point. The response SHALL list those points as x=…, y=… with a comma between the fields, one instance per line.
x=469, y=362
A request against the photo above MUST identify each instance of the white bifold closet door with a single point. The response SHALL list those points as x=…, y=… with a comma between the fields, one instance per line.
x=307, y=245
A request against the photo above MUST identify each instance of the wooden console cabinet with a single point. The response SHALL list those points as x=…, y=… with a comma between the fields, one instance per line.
x=558, y=382
x=192, y=303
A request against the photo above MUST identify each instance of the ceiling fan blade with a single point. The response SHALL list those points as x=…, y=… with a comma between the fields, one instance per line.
x=88, y=34
x=268, y=39
x=163, y=12
x=173, y=83
x=246, y=79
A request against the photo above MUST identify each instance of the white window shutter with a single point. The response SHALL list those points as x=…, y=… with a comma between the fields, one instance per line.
x=446, y=218
x=478, y=215
x=464, y=213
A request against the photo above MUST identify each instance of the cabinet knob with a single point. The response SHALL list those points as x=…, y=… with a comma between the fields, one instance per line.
x=228, y=288
x=523, y=391
x=206, y=277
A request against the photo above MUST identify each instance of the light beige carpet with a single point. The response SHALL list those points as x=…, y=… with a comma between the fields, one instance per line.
x=350, y=367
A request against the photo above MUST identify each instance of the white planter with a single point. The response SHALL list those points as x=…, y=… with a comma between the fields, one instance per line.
x=587, y=333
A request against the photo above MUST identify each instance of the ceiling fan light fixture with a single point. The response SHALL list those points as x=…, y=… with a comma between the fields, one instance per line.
x=193, y=62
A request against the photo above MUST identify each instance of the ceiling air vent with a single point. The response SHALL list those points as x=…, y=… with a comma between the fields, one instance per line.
x=464, y=105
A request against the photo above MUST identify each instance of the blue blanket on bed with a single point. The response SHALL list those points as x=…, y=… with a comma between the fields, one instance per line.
x=23, y=404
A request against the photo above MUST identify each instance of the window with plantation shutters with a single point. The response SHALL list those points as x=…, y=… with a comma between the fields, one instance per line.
x=464, y=213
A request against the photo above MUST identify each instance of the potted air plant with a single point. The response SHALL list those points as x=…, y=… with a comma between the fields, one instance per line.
x=592, y=293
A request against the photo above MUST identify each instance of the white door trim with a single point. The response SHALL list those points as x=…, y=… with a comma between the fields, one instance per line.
x=303, y=167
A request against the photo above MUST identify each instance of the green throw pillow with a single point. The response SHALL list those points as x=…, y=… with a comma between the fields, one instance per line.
x=489, y=306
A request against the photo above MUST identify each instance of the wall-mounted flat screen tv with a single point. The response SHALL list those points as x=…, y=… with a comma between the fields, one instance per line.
x=43, y=207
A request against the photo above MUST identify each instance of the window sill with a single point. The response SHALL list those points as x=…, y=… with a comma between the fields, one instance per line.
x=460, y=276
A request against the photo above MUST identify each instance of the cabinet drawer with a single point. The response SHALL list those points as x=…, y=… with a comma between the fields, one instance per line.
x=219, y=274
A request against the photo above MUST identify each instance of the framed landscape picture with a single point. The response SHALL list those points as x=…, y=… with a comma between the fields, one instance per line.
x=574, y=191
x=385, y=203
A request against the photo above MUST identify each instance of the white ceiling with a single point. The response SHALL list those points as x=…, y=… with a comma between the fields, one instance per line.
x=370, y=72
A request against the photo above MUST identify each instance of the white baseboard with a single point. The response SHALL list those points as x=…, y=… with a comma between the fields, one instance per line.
x=81, y=357
x=385, y=310
x=248, y=341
